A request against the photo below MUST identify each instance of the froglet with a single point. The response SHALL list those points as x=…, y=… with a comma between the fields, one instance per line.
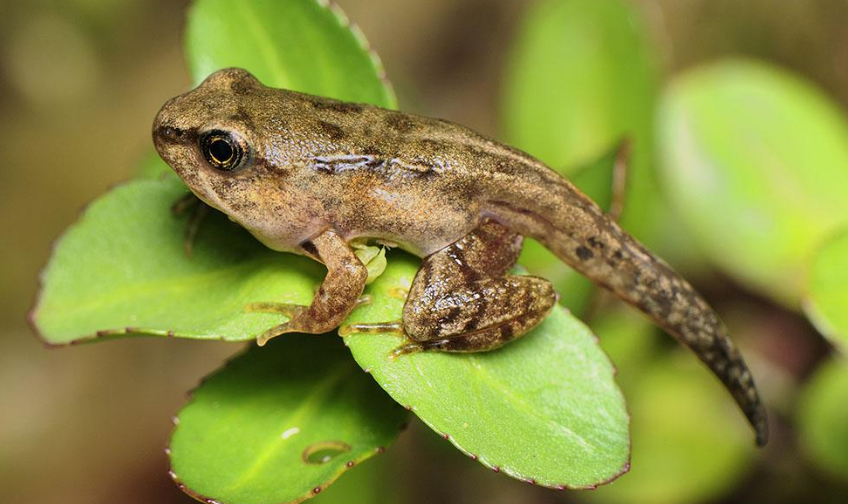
x=309, y=175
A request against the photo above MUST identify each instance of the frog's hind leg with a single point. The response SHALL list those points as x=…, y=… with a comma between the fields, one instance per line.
x=464, y=299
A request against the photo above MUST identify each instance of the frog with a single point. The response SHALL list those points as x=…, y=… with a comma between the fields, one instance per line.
x=312, y=176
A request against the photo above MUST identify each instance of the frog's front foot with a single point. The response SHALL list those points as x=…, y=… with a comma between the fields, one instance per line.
x=292, y=311
x=299, y=319
x=336, y=297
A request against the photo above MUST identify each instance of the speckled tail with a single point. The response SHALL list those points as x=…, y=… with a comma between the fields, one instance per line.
x=580, y=234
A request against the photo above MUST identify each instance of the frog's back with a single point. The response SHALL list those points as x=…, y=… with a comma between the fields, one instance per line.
x=419, y=181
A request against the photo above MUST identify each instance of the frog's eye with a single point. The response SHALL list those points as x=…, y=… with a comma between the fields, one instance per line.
x=222, y=150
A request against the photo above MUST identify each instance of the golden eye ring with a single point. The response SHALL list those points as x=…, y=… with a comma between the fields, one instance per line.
x=222, y=150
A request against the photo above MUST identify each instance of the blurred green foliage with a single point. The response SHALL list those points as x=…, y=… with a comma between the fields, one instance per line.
x=827, y=290
x=754, y=161
x=823, y=417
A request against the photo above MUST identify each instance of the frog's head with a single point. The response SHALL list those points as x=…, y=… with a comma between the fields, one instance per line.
x=206, y=135
x=222, y=140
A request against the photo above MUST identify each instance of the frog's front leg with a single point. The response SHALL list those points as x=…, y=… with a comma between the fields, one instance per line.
x=463, y=298
x=338, y=294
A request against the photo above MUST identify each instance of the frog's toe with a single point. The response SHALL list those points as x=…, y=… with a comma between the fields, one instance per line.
x=376, y=328
x=289, y=310
x=409, y=348
x=273, y=333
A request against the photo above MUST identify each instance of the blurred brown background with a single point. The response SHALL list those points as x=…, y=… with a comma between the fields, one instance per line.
x=80, y=81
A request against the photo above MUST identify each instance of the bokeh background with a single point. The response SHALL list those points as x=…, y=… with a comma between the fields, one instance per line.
x=80, y=81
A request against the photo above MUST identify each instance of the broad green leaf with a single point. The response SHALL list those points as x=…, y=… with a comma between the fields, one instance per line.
x=280, y=423
x=301, y=45
x=755, y=162
x=598, y=181
x=544, y=408
x=122, y=269
x=823, y=417
x=581, y=77
x=690, y=444
x=826, y=303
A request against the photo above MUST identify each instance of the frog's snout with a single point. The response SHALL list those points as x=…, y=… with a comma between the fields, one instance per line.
x=165, y=129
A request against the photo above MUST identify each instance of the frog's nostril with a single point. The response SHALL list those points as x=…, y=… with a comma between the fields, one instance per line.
x=169, y=133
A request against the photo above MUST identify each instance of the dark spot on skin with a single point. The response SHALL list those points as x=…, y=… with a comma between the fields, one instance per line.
x=434, y=145
x=241, y=115
x=400, y=123
x=446, y=436
x=340, y=107
x=474, y=457
x=595, y=243
x=372, y=151
x=380, y=449
x=618, y=254
x=584, y=253
x=496, y=469
x=241, y=87
x=334, y=131
x=316, y=490
x=507, y=332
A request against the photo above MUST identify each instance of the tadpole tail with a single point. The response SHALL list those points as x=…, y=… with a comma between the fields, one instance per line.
x=580, y=234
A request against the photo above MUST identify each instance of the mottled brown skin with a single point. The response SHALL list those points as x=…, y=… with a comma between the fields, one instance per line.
x=317, y=173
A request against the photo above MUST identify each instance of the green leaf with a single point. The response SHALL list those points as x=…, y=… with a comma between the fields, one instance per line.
x=543, y=408
x=121, y=269
x=301, y=45
x=823, y=417
x=754, y=160
x=279, y=424
x=582, y=77
x=826, y=303
x=688, y=443
x=596, y=180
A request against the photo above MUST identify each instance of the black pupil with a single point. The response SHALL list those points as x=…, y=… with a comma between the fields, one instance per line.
x=221, y=150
